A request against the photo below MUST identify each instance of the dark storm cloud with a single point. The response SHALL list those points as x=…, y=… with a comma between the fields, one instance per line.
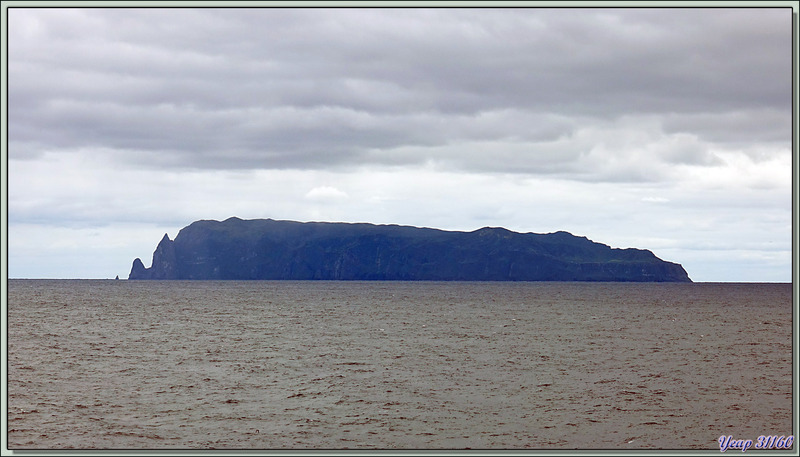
x=316, y=88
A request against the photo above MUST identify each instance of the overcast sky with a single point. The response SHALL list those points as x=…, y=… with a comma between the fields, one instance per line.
x=662, y=129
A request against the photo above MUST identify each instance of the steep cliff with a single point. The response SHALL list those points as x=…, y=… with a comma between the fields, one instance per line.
x=269, y=249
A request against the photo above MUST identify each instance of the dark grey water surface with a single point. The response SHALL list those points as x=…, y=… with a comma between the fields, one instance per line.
x=395, y=365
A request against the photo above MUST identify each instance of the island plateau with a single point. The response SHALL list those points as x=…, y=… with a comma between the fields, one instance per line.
x=272, y=249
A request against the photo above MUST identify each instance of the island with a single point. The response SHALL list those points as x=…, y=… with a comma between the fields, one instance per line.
x=269, y=249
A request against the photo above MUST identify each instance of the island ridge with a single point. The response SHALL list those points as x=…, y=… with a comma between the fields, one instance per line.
x=272, y=249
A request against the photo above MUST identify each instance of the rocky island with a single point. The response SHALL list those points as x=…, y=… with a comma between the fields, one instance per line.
x=272, y=249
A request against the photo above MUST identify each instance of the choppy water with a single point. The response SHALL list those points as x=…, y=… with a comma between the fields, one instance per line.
x=395, y=365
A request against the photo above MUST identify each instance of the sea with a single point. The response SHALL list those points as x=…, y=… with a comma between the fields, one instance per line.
x=340, y=365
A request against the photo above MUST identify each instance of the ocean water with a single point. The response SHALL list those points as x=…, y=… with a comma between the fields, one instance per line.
x=396, y=365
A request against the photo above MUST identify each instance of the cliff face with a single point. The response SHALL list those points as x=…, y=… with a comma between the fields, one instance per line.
x=269, y=249
x=164, y=266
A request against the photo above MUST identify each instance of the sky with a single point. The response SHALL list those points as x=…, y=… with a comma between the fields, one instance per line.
x=661, y=129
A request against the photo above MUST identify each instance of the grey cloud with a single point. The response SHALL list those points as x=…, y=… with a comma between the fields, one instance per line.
x=739, y=127
x=314, y=88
